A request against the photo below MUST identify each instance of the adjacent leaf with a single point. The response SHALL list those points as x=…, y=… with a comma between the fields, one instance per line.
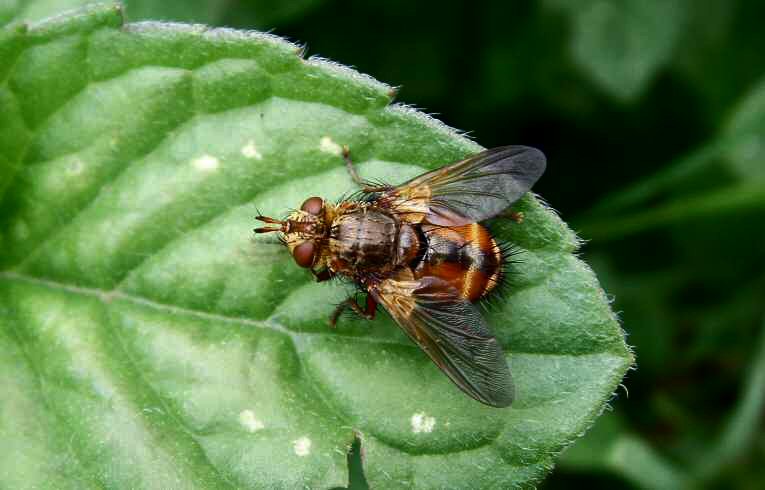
x=729, y=200
x=744, y=422
x=712, y=30
x=610, y=447
x=148, y=341
x=28, y=10
x=621, y=44
x=204, y=11
x=746, y=129
x=266, y=13
x=732, y=163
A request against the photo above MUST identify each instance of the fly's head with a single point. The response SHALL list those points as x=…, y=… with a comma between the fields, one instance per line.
x=302, y=231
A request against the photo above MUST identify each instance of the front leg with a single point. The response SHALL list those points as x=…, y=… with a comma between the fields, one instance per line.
x=368, y=313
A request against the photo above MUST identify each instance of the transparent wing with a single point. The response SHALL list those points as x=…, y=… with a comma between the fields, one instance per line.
x=470, y=190
x=452, y=332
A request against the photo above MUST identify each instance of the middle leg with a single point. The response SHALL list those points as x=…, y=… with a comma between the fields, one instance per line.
x=368, y=312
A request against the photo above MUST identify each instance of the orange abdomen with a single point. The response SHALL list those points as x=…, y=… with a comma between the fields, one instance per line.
x=466, y=256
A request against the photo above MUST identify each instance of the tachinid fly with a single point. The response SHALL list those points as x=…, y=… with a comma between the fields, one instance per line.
x=418, y=250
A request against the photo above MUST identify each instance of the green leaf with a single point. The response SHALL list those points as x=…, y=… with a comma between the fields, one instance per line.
x=149, y=341
x=621, y=44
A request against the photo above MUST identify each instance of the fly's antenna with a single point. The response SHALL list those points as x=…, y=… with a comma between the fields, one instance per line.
x=268, y=229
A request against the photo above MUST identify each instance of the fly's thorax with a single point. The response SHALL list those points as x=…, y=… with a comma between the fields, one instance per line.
x=363, y=239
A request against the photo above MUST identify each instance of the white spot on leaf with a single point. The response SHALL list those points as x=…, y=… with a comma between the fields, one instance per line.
x=302, y=446
x=328, y=146
x=422, y=423
x=206, y=163
x=251, y=151
x=250, y=422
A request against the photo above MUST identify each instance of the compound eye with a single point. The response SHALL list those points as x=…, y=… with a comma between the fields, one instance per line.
x=313, y=205
x=304, y=253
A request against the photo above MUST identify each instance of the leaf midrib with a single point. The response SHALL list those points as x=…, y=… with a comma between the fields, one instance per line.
x=106, y=296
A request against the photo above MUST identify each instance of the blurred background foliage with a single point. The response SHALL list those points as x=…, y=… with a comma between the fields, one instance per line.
x=652, y=114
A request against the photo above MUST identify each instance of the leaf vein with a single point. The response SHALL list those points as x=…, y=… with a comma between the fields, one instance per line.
x=15, y=335
x=165, y=405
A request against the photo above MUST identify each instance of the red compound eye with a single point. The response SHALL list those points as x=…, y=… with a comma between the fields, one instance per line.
x=313, y=205
x=304, y=253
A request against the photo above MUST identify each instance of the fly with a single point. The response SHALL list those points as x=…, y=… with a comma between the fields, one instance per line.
x=419, y=250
